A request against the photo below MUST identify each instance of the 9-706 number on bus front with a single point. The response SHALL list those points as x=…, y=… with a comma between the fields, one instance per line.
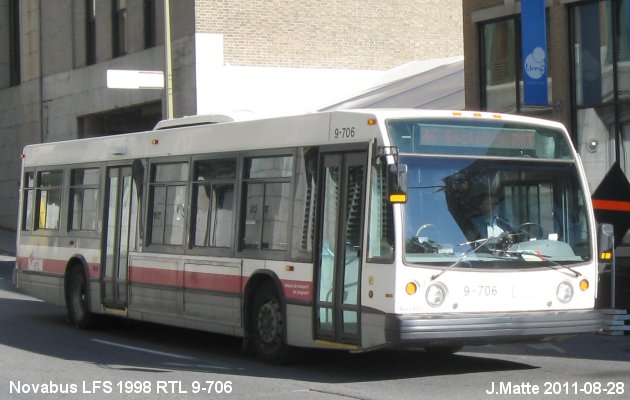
x=481, y=290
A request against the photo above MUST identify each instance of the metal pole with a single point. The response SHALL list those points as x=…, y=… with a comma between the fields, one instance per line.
x=42, y=135
x=168, y=73
x=612, y=277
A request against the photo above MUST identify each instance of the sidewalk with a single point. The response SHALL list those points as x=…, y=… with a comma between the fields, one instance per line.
x=7, y=242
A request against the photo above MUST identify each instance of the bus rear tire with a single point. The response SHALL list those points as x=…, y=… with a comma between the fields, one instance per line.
x=77, y=300
x=268, y=325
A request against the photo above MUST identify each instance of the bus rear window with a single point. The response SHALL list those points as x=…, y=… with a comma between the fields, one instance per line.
x=478, y=138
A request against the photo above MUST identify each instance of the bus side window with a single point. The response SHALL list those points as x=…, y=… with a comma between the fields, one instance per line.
x=213, y=196
x=84, y=192
x=381, y=229
x=137, y=229
x=267, y=203
x=28, y=201
x=48, y=199
x=304, y=208
x=168, y=194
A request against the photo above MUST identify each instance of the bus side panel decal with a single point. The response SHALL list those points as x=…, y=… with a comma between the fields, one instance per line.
x=298, y=290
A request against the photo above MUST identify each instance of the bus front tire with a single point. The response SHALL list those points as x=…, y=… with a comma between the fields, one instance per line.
x=77, y=300
x=268, y=325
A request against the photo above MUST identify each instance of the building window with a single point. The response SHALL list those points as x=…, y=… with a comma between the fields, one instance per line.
x=90, y=32
x=501, y=80
x=14, y=42
x=500, y=59
x=593, y=56
x=149, y=24
x=600, y=38
x=119, y=27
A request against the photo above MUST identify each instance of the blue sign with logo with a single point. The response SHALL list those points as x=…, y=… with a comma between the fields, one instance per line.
x=534, y=45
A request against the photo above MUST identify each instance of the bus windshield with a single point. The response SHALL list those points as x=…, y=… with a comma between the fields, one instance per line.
x=494, y=213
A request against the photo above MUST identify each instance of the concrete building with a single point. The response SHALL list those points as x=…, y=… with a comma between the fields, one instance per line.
x=588, y=63
x=267, y=57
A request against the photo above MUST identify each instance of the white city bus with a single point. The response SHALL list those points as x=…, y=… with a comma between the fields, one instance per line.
x=349, y=229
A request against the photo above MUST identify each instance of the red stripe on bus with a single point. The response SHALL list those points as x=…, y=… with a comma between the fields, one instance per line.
x=21, y=262
x=155, y=276
x=216, y=282
x=234, y=284
x=44, y=265
x=55, y=266
x=188, y=280
x=612, y=205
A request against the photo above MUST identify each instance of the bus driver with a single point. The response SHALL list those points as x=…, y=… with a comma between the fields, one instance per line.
x=487, y=223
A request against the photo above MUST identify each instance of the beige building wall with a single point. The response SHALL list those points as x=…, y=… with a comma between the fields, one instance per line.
x=352, y=34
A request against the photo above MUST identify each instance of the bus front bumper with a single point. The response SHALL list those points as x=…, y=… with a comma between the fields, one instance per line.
x=487, y=328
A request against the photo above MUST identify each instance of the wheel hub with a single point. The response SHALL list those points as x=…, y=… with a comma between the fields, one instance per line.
x=268, y=322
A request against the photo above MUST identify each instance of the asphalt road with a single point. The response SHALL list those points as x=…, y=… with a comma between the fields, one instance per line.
x=43, y=357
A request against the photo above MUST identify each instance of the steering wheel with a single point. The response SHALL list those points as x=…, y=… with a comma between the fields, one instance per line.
x=426, y=245
x=423, y=227
x=525, y=229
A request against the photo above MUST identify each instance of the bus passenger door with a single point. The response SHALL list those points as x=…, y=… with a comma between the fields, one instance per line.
x=118, y=210
x=337, y=314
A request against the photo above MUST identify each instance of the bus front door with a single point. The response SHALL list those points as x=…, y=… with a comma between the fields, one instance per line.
x=117, y=222
x=337, y=313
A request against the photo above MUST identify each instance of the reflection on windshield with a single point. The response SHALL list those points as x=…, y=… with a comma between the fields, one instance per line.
x=500, y=211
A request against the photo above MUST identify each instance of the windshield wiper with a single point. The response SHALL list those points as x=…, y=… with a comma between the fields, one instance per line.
x=521, y=253
x=502, y=239
x=480, y=243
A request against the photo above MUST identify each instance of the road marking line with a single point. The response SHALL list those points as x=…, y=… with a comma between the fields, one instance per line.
x=142, y=349
x=547, y=346
x=206, y=366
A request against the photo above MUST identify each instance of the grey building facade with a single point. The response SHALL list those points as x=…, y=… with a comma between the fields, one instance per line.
x=54, y=56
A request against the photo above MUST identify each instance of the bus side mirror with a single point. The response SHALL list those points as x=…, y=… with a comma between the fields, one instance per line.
x=397, y=183
x=606, y=242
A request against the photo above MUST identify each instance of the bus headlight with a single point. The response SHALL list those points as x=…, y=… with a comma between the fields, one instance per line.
x=564, y=293
x=436, y=294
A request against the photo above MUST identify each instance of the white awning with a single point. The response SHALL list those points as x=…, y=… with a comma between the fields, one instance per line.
x=440, y=87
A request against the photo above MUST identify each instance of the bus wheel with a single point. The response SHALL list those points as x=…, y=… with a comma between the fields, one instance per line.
x=77, y=300
x=268, y=325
